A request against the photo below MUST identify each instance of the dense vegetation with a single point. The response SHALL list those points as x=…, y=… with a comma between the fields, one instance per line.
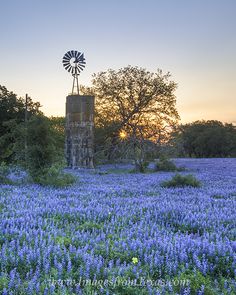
x=204, y=139
x=31, y=140
x=136, y=118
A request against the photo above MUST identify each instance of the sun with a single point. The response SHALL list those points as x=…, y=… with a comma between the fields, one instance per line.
x=122, y=134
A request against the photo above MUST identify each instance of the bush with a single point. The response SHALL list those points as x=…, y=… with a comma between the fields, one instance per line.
x=196, y=282
x=140, y=166
x=41, y=146
x=182, y=181
x=54, y=176
x=4, y=172
x=165, y=164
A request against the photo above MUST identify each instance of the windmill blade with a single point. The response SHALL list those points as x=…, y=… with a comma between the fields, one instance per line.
x=67, y=67
x=70, y=67
x=73, y=53
x=65, y=62
x=67, y=55
x=70, y=54
x=81, y=58
x=80, y=68
x=81, y=64
x=77, y=71
x=77, y=57
x=65, y=59
x=77, y=54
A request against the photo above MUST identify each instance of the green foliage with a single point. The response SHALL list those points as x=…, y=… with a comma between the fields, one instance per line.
x=165, y=164
x=179, y=180
x=197, y=280
x=141, y=166
x=57, y=130
x=4, y=172
x=89, y=226
x=54, y=176
x=134, y=101
x=41, y=149
x=64, y=241
x=3, y=282
x=206, y=139
x=12, y=110
x=217, y=197
x=34, y=144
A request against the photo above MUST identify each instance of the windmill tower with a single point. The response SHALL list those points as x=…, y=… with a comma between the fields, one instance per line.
x=79, y=146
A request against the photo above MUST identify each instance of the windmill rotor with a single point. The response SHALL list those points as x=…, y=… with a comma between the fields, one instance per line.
x=74, y=62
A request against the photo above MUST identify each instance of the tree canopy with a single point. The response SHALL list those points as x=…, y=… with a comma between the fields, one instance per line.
x=135, y=104
x=12, y=113
x=207, y=139
x=13, y=107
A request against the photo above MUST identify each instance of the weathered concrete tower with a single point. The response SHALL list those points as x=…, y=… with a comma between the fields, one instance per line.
x=80, y=131
x=79, y=147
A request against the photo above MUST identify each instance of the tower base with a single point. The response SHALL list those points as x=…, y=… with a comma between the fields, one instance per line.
x=79, y=146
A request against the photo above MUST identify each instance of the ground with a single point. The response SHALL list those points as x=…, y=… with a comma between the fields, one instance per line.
x=115, y=232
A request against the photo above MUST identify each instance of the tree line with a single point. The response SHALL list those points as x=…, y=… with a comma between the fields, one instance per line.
x=135, y=118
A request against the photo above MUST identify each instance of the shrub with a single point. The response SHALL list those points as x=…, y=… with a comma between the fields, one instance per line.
x=165, y=164
x=41, y=147
x=182, y=181
x=4, y=172
x=140, y=166
x=217, y=196
x=54, y=176
x=196, y=282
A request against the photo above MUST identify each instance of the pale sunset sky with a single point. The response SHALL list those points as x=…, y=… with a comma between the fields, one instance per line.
x=194, y=40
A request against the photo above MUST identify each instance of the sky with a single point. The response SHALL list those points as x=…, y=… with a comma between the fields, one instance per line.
x=194, y=40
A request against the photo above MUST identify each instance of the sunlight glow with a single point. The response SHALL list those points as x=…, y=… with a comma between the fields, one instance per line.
x=123, y=134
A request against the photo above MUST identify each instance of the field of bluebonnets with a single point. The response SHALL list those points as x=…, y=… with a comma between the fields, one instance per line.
x=119, y=233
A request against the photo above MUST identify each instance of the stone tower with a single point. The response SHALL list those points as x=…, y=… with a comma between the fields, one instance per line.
x=80, y=131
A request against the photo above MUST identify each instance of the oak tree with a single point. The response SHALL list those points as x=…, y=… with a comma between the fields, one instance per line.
x=134, y=105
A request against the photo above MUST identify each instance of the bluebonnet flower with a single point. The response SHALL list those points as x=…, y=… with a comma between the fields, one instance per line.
x=201, y=291
x=69, y=266
x=60, y=269
x=168, y=230
x=52, y=289
x=12, y=278
x=187, y=291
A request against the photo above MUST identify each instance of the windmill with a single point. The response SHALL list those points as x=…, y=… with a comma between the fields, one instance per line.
x=74, y=62
x=79, y=129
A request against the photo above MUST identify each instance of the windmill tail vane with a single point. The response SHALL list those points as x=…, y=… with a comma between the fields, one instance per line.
x=74, y=62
